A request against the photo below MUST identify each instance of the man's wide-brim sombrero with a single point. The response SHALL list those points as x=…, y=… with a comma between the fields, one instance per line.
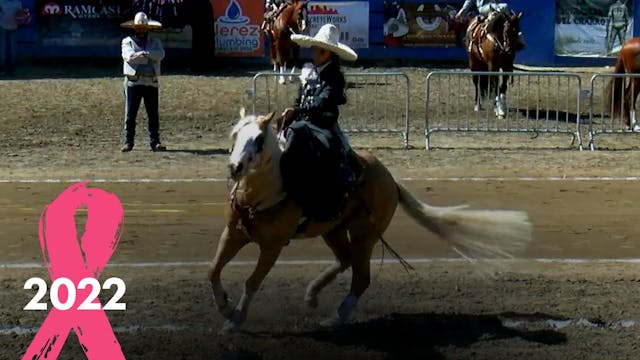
x=327, y=38
x=141, y=21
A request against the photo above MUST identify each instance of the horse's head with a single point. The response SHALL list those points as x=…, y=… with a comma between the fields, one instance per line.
x=297, y=15
x=511, y=31
x=254, y=142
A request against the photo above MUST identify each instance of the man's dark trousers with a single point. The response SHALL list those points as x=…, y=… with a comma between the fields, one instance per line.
x=134, y=95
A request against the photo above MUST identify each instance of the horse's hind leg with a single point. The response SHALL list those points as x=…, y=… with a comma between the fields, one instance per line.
x=362, y=242
x=281, y=79
x=230, y=243
x=635, y=90
x=338, y=241
x=269, y=252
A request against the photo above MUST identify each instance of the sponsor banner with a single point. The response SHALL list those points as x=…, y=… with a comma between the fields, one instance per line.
x=424, y=24
x=592, y=28
x=237, y=28
x=351, y=18
x=80, y=23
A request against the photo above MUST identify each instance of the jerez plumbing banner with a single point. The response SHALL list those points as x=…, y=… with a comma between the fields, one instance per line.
x=592, y=28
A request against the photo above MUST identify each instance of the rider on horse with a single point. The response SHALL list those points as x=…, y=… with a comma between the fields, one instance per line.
x=491, y=11
x=317, y=163
x=272, y=9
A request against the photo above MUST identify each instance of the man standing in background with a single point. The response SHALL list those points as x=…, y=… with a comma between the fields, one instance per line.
x=142, y=54
x=9, y=11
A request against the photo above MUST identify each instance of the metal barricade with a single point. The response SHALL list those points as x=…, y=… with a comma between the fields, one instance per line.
x=607, y=116
x=536, y=102
x=377, y=102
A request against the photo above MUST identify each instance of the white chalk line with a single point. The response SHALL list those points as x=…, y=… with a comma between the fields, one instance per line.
x=506, y=322
x=301, y=262
x=408, y=179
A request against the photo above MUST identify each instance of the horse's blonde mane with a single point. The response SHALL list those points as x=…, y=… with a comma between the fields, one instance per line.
x=242, y=123
x=270, y=139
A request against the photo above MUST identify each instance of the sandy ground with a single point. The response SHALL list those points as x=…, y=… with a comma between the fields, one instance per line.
x=442, y=309
x=72, y=128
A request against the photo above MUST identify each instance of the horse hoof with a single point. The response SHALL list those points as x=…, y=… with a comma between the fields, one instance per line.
x=229, y=327
x=477, y=108
x=332, y=322
x=226, y=312
x=311, y=301
x=282, y=81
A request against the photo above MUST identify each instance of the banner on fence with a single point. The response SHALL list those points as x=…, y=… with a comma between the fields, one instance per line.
x=424, y=24
x=80, y=23
x=594, y=28
x=351, y=18
x=237, y=28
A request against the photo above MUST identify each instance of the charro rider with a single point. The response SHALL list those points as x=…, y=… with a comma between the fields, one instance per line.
x=489, y=10
x=272, y=9
x=317, y=164
x=617, y=23
x=141, y=55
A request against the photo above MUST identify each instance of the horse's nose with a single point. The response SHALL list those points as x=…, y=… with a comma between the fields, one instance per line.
x=235, y=169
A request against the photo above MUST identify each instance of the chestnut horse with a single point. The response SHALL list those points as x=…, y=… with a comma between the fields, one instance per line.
x=627, y=63
x=493, y=50
x=290, y=20
x=259, y=211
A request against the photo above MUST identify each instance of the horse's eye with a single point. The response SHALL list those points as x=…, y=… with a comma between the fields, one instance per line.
x=258, y=142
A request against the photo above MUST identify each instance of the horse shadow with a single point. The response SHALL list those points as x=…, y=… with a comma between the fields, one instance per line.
x=407, y=335
x=553, y=115
x=204, y=152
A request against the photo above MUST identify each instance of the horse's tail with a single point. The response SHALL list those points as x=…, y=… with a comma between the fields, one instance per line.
x=614, y=92
x=476, y=234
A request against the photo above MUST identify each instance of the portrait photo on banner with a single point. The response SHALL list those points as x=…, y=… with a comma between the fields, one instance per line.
x=424, y=24
x=592, y=28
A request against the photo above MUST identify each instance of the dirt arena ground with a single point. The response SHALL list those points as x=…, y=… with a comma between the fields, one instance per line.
x=572, y=296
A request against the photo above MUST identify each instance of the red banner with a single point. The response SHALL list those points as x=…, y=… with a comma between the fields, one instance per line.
x=237, y=25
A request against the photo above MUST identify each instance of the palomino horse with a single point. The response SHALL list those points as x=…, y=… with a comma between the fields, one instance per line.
x=493, y=50
x=627, y=63
x=291, y=20
x=259, y=211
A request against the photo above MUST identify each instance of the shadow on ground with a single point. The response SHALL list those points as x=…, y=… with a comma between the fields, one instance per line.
x=408, y=335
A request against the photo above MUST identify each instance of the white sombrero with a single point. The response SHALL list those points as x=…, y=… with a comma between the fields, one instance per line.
x=327, y=38
x=141, y=21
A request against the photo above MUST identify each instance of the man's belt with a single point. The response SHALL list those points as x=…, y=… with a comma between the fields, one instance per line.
x=142, y=77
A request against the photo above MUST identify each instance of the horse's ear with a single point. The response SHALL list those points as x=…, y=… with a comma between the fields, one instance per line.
x=519, y=16
x=266, y=120
x=242, y=112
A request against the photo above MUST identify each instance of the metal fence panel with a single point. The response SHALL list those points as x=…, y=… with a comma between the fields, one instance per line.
x=605, y=117
x=536, y=102
x=377, y=102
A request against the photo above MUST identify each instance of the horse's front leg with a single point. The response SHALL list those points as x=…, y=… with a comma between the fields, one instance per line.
x=230, y=243
x=501, y=99
x=269, y=253
x=283, y=69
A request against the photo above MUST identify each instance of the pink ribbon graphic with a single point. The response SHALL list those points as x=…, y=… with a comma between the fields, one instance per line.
x=65, y=258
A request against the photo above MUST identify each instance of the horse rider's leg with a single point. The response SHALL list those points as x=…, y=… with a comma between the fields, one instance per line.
x=230, y=243
x=269, y=252
x=338, y=242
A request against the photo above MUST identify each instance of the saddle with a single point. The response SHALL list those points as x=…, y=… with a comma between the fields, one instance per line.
x=479, y=29
x=318, y=173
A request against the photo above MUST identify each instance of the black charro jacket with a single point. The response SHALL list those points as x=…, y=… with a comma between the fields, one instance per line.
x=319, y=98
